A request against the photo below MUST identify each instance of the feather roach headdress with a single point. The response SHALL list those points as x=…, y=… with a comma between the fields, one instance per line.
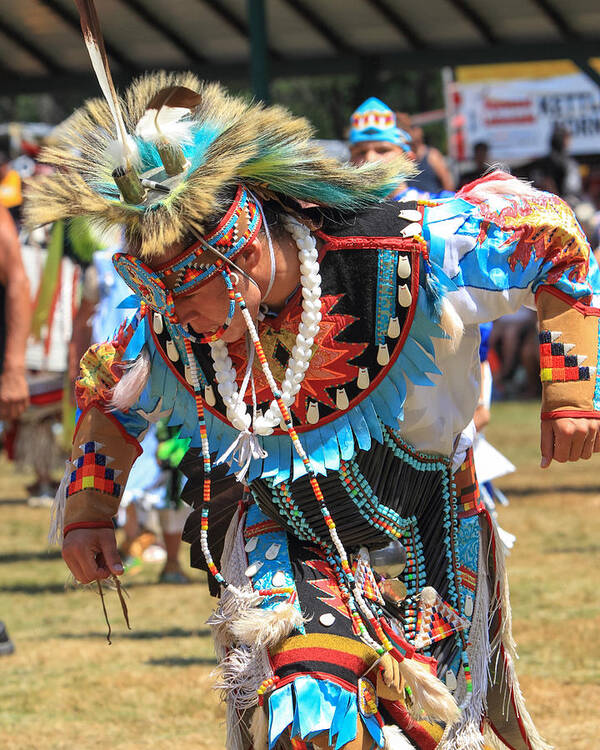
x=168, y=157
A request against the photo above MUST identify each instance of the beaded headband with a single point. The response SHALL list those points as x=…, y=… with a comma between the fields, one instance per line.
x=375, y=121
x=198, y=263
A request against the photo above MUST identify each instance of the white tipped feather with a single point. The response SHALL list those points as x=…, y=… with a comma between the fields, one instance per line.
x=501, y=183
x=166, y=124
x=127, y=391
x=113, y=153
x=105, y=85
x=265, y=628
x=430, y=696
x=395, y=739
x=92, y=36
x=259, y=729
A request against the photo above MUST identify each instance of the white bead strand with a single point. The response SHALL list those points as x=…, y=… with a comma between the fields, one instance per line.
x=299, y=360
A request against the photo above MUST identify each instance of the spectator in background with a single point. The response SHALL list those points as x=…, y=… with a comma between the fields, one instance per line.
x=11, y=196
x=375, y=136
x=433, y=176
x=558, y=172
x=15, y=316
x=481, y=157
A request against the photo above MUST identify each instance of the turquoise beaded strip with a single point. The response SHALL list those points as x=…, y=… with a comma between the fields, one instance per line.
x=387, y=261
x=597, y=386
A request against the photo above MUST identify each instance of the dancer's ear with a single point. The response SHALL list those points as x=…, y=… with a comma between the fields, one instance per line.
x=252, y=255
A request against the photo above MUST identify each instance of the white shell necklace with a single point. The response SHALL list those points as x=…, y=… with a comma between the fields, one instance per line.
x=310, y=279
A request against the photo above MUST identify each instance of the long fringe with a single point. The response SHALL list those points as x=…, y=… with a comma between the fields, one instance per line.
x=504, y=639
x=492, y=740
x=242, y=666
x=466, y=734
x=259, y=729
x=395, y=739
x=57, y=513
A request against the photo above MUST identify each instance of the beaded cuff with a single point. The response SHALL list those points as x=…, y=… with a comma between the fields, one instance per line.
x=100, y=463
x=568, y=334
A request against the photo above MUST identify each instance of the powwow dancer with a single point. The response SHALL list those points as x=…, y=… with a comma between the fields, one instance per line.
x=322, y=342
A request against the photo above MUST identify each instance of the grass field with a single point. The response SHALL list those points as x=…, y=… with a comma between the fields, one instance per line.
x=64, y=687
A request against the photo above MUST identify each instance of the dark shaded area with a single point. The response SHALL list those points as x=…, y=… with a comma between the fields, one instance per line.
x=33, y=588
x=61, y=588
x=180, y=661
x=141, y=635
x=12, y=557
x=539, y=489
x=11, y=501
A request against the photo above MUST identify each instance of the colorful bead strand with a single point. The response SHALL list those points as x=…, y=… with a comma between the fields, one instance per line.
x=207, y=467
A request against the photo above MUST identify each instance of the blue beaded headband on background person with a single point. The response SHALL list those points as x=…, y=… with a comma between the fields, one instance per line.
x=375, y=121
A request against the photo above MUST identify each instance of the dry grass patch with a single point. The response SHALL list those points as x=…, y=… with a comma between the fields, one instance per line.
x=66, y=688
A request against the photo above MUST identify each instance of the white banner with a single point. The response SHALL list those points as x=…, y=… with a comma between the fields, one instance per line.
x=516, y=118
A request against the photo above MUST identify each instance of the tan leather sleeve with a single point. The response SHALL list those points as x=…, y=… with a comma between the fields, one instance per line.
x=568, y=356
x=101, y=459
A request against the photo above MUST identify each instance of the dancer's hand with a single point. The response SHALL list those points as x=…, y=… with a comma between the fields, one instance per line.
x=569, y=439
x=14, y=394
x=92, y=554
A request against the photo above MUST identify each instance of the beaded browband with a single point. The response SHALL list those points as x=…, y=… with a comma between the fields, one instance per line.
x=198, y=263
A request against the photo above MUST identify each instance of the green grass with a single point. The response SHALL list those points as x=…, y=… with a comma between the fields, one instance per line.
x=66, y=688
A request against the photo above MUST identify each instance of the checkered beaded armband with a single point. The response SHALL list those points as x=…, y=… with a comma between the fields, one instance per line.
x=101, y=459
x=92, y=473
x=568, y=334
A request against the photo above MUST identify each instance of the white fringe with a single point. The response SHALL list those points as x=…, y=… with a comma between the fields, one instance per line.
x=240, y=674
x=395, y=739
x=505, y=638
x=242, y=667
x=264, y=627
x=57, y=514
x=466, y=734
x=503, y=184
x=429, y=694
x=127, y=391
x=492, y=740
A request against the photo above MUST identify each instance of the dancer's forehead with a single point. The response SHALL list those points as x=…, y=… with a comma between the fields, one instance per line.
x=171, y=253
